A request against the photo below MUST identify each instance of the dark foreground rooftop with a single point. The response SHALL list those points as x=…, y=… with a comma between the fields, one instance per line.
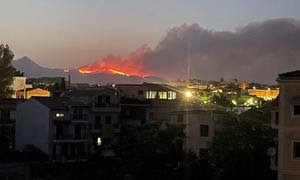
x=290, y=75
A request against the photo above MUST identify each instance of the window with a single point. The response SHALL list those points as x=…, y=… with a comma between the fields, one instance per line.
x=204, y=130
x=77, y=131
x=180, y=118
x=162, y=95
x=99, y=100
x=78, y=113
x=97, y=124
x=140, y=92
x=296, y=148
x=276, y=118
x=171, y=95
x=59, y=131
x=296, y=109
x=59, y=115
x=99, y=141
x=116, y=126
x=151, y=115
x=107, y=120
x=107, y=99
x=151, y=94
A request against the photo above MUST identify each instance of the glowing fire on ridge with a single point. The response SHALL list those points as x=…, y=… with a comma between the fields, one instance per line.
x=126, y=66
x=81, y=70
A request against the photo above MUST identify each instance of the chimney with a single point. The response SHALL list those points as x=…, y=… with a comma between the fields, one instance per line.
x=69, y=80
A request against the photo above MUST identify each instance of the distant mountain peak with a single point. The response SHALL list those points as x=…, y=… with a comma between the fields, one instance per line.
x=25, y=60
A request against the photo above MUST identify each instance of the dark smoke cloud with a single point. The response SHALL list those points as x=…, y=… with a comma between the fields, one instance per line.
x=256, y=52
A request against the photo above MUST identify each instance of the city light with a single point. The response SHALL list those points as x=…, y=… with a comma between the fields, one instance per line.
x=99, y=141
x=188, y=94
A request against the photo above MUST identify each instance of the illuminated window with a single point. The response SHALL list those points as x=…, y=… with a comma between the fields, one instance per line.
x=99, y=141
x=59, y=115
x=162, y=95
x=151, y=94
x=171, y=95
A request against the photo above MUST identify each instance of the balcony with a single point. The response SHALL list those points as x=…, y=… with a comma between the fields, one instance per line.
x=106, y=107
x=79, y=117
x=70, y=138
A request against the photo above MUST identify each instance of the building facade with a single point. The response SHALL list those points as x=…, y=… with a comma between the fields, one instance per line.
x=104, y=109
x=199, y=125
x=31, y=92
x=57, y=126
x=160, y=99
x=7, y=123
x=289, y=126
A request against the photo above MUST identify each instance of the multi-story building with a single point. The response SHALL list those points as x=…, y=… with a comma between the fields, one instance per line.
x=104, y=124
x=18, y=84
x=57, y=126
x=7, y=123
x=199, y=125
x=134, y=112
x=31, y=92
x=289, y=126
x=266, y=94
x=161, y=99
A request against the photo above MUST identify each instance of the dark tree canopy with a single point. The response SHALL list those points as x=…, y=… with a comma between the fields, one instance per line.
x=239, y=151
x=7, y=71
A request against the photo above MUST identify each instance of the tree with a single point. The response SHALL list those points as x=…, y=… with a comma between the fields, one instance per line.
x=6, y=71
x=150, y=152
x=239, y=150
x=221, y=100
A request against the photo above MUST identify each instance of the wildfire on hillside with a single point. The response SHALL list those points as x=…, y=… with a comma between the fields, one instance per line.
x=130, y=65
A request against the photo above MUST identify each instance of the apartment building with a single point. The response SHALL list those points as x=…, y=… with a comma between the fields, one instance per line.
x=18, y=84
x=7, y=122
x=161, y=99
x=199, y=125
x=289, y=126
x=58, y=126
x=104, y=109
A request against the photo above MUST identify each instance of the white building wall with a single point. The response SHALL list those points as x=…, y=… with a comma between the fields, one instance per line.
x=32, y=125
x=194, y=141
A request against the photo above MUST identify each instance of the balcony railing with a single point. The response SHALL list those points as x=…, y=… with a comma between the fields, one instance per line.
x=106, y=105
x=68, y=137
x=63, y=136
x=80, y=117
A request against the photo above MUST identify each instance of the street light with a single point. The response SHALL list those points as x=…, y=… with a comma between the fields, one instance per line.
x=188, y=94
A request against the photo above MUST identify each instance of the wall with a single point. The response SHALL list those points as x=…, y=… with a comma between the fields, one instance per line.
x=32, y=125
x=289, y=130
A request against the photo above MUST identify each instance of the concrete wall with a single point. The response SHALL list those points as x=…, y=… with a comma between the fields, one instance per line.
x=289, y=130
x=32, y=125
x=194, y=141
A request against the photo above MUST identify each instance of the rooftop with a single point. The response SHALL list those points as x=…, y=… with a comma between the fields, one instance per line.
x=290, y=75
x=58, y=102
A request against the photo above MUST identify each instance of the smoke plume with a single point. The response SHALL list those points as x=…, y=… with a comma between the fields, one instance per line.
x=255, y=52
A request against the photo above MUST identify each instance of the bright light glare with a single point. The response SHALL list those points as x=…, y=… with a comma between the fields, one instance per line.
x=99, y=141
x=188, y=94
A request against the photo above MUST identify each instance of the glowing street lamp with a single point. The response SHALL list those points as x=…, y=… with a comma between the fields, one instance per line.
x=188, y=94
